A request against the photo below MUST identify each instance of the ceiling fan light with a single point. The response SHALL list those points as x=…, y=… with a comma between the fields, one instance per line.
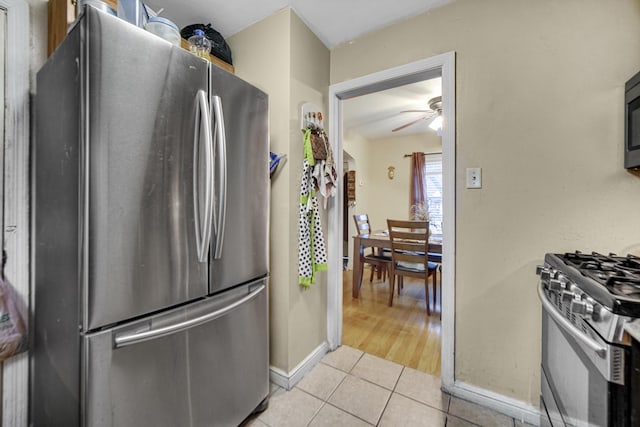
x=436, y=124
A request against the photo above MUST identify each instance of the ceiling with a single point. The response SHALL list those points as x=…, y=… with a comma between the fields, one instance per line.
x=373, y=116
x=333, y=21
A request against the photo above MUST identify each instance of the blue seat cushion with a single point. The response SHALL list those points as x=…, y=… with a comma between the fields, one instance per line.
x=436, y=257
x=417, y=267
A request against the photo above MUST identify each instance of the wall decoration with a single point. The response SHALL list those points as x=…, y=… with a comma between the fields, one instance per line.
x=351, y=186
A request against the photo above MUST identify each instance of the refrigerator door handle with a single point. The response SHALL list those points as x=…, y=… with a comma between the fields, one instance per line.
x=203, y=225
x=221, y=176
x=127, y=339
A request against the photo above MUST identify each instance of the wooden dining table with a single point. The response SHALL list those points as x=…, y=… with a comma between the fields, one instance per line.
x=376, y=240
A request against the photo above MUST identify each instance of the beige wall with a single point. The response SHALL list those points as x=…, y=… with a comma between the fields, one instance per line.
x=309, y=83
x=376, y=194
x=539, y=96
x=390, y=198
x=355, y=146
x=283, y=57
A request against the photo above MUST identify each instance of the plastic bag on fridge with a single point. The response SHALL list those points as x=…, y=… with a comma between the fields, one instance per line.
x=13, y=321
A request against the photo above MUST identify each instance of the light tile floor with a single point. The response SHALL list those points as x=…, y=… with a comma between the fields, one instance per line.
x=352, y=388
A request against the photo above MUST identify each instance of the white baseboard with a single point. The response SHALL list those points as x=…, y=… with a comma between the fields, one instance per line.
x=289, y=380
x=514, y=408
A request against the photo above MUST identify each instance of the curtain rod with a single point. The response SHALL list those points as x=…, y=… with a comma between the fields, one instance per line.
x=426, y=154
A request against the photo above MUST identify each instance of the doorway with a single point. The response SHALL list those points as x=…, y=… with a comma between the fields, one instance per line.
x=382, y=129
x=438, y=66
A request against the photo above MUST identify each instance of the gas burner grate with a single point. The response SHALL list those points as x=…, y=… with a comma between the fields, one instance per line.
x=625, y=286
x=606, y=263
x=618, y=275
x=578, y=258
x=603, y=275
x=630, y=263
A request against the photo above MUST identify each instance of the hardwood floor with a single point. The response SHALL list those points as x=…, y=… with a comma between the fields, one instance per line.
x=402, y=333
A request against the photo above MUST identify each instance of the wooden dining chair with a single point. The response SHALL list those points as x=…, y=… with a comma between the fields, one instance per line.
x=377, y=261
x=410, y=256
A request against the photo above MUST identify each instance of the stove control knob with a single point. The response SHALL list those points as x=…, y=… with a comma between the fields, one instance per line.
x=567, y=296
x=581, y=307
x=556, y=285
x=563, y=279
x=547, y=274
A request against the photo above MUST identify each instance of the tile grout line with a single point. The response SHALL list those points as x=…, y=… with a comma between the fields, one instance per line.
x=468, y=420
x=336, y=388
x=350, y=373
x=395, y=386
x=347, y=412
x=326, y=402
x=445, y=411
x=317, y=412
x=393, y=390
x=357, y=361
x=370, y=382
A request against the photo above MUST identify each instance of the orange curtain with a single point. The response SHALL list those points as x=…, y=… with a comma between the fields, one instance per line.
x=418, y=181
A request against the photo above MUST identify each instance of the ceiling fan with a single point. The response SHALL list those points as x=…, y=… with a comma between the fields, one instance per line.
x=434, y=112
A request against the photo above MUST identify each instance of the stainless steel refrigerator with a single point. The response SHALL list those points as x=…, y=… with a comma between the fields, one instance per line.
x=151, y=190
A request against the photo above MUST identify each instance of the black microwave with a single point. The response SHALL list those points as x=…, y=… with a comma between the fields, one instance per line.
x=632, y=123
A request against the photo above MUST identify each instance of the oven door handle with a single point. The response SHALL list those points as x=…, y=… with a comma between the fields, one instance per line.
x=568, y=326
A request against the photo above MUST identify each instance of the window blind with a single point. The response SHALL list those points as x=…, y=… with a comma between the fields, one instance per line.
x=433, y=175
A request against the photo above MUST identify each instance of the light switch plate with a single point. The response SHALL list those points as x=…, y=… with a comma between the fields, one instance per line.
x=474, y=177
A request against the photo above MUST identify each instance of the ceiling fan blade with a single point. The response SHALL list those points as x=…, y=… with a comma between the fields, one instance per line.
x=408, y=124
x=416, y=111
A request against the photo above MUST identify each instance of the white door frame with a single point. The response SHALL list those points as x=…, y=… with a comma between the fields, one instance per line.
x=16, y=207
x=443, y=65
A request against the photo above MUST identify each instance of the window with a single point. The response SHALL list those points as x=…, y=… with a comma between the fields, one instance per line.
x=433, y=180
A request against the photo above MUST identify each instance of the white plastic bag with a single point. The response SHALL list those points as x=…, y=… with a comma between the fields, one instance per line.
x=13, y=321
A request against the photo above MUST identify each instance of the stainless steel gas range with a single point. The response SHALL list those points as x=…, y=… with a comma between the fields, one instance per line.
x=587, y=360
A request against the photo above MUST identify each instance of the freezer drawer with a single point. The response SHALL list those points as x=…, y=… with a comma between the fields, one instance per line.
x=197, y=372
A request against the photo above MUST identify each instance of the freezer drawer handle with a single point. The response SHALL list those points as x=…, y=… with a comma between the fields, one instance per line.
x=221, y=176
x=568, y=326
x=203, y=225
x=139, y=337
